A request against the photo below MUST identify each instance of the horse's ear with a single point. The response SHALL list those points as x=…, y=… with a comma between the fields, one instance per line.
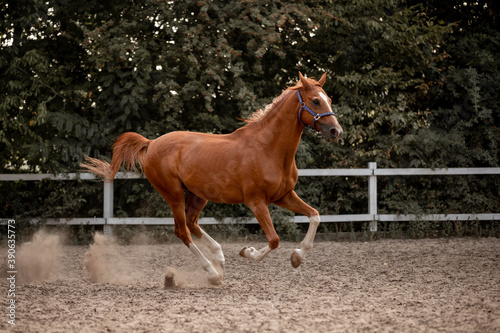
x=304, y=81
x=322, y=80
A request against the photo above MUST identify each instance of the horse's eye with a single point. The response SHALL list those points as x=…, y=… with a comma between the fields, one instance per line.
x=316, y=101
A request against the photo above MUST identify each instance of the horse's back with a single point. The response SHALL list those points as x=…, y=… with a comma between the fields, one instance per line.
x=191, y=146
x=208, y=165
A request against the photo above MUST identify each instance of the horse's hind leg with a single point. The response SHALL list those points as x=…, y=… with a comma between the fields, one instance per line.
x=176, y=201
x=194, y=207
x=214, y=277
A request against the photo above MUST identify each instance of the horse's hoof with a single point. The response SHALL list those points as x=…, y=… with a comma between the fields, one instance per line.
x=296, y=259
x=215, y=280
x=243, y=252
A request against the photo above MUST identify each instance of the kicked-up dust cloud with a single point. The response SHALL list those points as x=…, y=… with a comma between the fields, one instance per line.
x=36, y=260
x=104, y=262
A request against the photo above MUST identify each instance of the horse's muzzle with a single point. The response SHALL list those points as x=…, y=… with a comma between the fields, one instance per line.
x=331, y=133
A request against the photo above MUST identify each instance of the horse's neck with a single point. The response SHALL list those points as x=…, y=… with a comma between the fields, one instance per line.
x=280, y=132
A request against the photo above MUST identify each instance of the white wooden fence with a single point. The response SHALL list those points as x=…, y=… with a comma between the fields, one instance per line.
x=371, y=216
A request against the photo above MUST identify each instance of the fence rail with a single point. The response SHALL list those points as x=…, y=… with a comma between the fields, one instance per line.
x=372, y=216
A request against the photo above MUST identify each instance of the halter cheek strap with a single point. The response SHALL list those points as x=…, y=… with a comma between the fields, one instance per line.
x=316, y=116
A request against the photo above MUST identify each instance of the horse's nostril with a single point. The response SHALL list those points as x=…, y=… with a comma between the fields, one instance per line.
x=334, y=132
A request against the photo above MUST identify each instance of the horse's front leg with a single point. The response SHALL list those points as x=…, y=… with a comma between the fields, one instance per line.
x=261, y=212
x=292, y=202
x=299, y=254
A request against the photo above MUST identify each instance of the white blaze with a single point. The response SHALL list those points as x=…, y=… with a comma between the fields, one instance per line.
x=323, y=96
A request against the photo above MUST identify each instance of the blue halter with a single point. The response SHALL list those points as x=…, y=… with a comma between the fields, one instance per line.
x=315, y=115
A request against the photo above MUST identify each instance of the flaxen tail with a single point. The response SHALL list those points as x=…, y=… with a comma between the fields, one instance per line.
x=129, y=149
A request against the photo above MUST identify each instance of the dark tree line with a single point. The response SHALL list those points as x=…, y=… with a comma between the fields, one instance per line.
x=415, y=84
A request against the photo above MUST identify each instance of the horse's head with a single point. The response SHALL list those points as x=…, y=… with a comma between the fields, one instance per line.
x=319, y=114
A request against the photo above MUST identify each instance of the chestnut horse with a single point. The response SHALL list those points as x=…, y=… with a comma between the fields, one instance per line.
x=254, y=165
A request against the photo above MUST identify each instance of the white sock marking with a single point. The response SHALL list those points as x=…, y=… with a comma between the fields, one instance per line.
x=308, y=241
x=257, y=255
x=213, y=246
x=205, y=263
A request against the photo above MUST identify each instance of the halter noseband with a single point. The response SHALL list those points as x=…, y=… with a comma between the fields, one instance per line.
x=315, y=115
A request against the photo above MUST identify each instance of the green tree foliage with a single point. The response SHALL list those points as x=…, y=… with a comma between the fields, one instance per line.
x=414, y=83
x=461, y=107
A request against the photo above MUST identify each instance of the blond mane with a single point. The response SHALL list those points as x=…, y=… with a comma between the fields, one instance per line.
x=277, y=102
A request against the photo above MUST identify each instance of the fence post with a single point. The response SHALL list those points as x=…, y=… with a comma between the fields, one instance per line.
x=372, y=196
x=107, y=208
